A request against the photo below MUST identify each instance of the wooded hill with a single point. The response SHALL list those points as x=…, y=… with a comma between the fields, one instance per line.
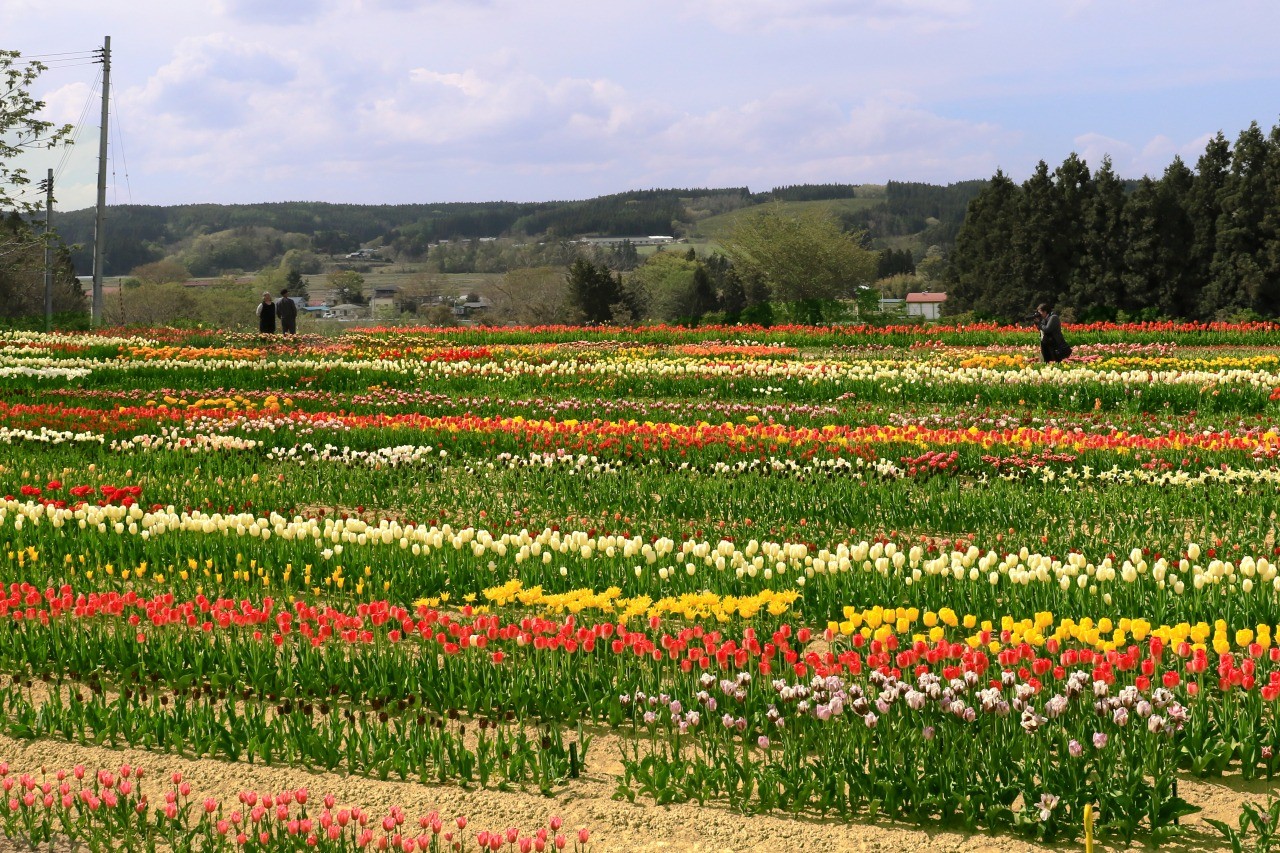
x=212, y=239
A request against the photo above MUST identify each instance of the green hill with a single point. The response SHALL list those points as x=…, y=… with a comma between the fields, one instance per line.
x=213, y=239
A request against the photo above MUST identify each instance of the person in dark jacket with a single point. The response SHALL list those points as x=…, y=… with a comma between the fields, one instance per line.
x=1053, y=346
x=267, y=315
x=287, y=311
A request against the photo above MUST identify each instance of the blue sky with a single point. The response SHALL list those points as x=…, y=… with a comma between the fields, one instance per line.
x=414, y=101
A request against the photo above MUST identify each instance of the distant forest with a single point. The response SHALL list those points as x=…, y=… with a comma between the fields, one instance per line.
x=213, y=239
x=1198, y=244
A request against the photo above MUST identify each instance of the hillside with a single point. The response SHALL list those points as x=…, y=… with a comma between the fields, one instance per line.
x=213, y=239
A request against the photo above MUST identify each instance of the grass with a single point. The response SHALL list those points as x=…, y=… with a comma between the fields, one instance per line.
x=714, y=228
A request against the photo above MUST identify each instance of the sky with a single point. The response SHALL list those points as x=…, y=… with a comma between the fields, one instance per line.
x=427, y=101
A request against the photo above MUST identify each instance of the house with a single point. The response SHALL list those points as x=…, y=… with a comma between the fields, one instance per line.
x=469, y=306
x=384, y=299
x=613, y=242
x=927, y=305
x=345, y=312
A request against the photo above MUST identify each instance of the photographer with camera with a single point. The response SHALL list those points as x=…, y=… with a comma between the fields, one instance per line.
x=1053, y=346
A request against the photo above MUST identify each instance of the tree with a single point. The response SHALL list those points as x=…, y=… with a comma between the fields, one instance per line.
x=726, y=284
x=297, y=284
x=1047, y=241
x=1204, y=206
x=1097, y=280
x=21, y=130
x=1236, y=279
x=623, y=256
x=22, y=273
x=665, y=288
x=983, y=275
x=932, y=267
x=302, y=260
x=347, y=287
x=800, y=257
x=593, y=290
x=161, y=272
x=533, y=296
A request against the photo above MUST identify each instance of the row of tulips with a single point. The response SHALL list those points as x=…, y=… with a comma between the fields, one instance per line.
x=432, y=559
x=216, y=724
x=983, y=752
x=317, y=660
x=110, y=808
x=969, y=334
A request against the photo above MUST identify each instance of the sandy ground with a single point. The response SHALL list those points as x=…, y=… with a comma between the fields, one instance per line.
x=616, y=827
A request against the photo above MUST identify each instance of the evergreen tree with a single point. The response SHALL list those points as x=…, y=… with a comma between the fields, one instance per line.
x=983, y=275
x=1097, y=286
x=704, y=293
x=593, y=290
x=1204, y=207
x=1180, y=287
x=730, y=295
x=1236, y=279
x=1269, y=237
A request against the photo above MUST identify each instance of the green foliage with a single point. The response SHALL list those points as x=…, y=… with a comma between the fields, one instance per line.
x=347, y=286
x=21, y=129
x=161, y=272
x=667, y=288
x=801, y=257
x=1197, y=245
x=594, y=291
x=22, y=273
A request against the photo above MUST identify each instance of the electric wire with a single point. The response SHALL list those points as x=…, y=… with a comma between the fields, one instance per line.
x=40, y=56
x=124, y=161
x=80, y=123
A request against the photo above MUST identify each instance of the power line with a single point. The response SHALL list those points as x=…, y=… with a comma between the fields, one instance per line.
x=119, y=144
x=63, y=53
x=80, y=122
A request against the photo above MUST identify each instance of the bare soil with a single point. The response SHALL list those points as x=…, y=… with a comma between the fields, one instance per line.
x=616, y=826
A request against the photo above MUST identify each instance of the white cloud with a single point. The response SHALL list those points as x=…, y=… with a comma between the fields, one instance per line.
x=910, y=15
x=274, y=12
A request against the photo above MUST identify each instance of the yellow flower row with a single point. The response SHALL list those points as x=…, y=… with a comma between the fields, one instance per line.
x=692, y=606
x=1103, y=634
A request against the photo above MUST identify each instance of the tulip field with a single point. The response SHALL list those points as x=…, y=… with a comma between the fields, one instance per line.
x=811, y=577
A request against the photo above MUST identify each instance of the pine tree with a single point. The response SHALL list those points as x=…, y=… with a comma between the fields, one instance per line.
x=1097, y=279
x=1235, y=276
x=1204, y=206
x=594, y=290
x=983, y=275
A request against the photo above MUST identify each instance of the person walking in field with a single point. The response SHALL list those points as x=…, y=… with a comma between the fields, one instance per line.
x=267, y=315
x=287, y=311
x=1053, y=346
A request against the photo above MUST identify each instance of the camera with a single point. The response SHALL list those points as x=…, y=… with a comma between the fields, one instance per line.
x=1031, y=318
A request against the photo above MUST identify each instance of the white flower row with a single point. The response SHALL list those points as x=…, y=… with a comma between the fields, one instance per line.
x=882, y=371
x=331, y=536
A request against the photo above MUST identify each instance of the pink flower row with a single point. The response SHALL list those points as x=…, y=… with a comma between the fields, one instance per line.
x=106, y=804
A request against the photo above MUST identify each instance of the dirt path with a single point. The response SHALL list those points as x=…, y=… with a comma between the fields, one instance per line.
x=617, y=827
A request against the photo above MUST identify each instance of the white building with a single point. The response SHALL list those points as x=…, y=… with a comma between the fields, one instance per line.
x=927, y=305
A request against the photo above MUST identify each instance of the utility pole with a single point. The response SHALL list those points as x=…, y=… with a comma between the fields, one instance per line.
x=48, y=252
x=105, y=57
